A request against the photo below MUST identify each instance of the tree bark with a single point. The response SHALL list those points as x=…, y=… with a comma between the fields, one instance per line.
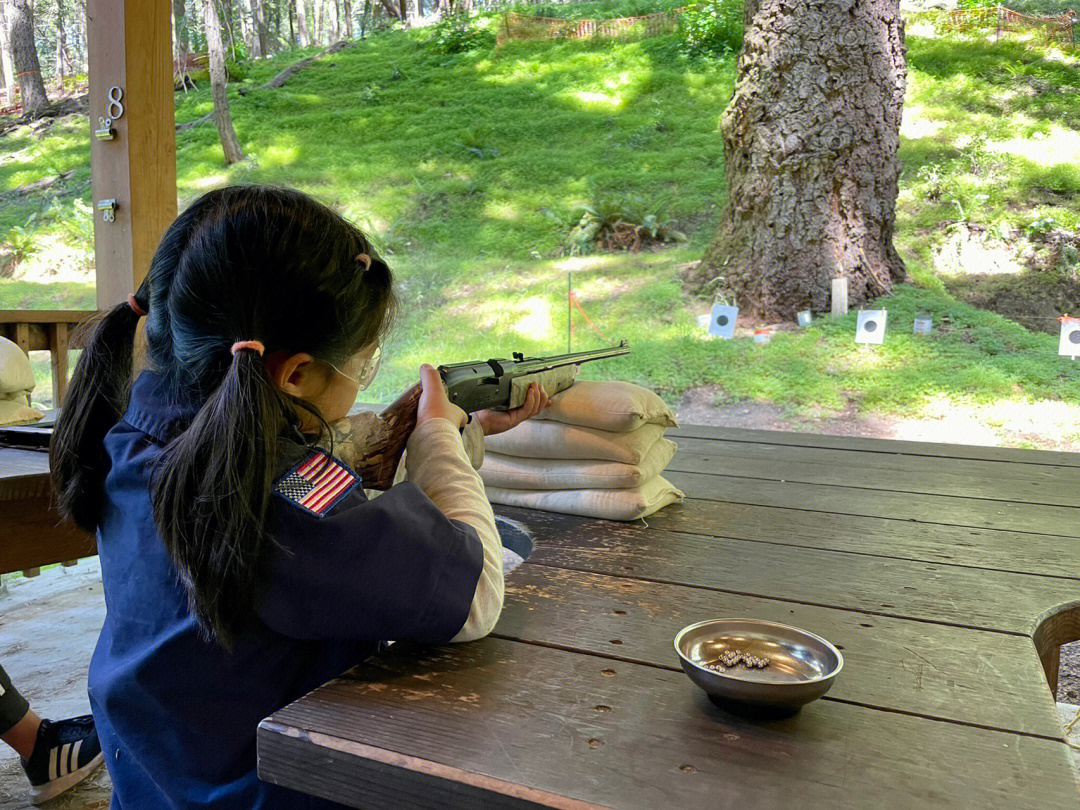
x=346, y=6
x=810, y=148
x=260, y=25
x=181, y=38
x=25, y=58
x=216, y=49
x=5, y=60
x=301, y=23
x=64, y=63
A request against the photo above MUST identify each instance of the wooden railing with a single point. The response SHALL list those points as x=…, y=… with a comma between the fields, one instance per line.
x=45, y=330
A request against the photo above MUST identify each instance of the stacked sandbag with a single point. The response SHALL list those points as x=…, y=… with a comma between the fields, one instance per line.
x=598, y=451
x=16, y=383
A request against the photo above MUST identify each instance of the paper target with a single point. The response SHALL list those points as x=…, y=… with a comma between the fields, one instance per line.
x=722, y=320
x=1069, y=345
x=871, y=326
x=804, y=318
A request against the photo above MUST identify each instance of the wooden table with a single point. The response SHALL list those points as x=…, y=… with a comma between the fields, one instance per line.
x=31, y=534
x=932, y=567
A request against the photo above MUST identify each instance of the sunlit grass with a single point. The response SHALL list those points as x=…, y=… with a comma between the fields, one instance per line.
x=384, y=132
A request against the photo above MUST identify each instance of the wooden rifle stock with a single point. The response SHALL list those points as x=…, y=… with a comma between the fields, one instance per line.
x=391, y=430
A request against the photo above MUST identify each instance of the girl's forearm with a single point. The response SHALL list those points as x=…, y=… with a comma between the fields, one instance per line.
x=436, y=461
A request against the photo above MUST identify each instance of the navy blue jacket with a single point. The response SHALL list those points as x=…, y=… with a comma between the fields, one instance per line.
x=176, y=714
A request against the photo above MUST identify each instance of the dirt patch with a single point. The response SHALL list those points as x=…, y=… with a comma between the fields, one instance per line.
x=1069, y=674
x=1033, y=299
x=1042, y=425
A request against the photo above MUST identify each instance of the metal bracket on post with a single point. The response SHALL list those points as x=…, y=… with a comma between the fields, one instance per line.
x=108, y=207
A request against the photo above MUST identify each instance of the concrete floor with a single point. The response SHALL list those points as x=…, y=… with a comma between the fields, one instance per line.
x=48, y=628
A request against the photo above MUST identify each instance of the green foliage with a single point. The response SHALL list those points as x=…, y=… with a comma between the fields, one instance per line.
x=599, y=9
x=712, y=28
x=21, y=242
x=478, y=244
x=462, y=32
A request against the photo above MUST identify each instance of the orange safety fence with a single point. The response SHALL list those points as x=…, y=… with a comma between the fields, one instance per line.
x=999, y=20
x=515, y=25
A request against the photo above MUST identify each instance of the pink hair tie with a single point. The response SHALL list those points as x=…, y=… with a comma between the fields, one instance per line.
x=135, y=306
x=254, y=345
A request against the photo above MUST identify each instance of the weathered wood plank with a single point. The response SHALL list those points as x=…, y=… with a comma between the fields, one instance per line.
x=1036, y=554
x=1060, y=521
x=963, y=597
x=1011, y=454
x=45, y=315
x=504, y=724
x=31, y=535
x=984, y=679
x=992, y=480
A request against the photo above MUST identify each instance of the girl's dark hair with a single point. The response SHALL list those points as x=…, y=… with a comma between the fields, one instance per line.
x=240, y=263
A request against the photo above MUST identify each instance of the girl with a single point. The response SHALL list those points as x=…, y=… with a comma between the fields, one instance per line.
x=242, y=563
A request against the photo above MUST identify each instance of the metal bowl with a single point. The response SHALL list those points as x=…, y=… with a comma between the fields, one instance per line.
x=802, y=666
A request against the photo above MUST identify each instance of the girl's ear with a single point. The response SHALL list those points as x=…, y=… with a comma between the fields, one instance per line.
x=295, y=374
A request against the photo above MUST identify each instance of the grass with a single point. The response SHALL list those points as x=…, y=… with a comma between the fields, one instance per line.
x=470, y=167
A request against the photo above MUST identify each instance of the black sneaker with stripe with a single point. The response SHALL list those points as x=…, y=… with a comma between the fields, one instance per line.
x=65, y=753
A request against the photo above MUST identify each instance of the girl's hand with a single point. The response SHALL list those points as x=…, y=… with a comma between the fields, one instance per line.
x=492, y=421
x=433, y=401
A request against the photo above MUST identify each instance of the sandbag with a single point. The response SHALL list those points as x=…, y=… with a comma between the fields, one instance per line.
x=545, y=439
x=607, y=504
x=14, y=412
x=545, y=473
x=16, y=376
x=615, y=406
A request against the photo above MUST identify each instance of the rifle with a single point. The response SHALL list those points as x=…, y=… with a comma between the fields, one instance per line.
x=497, y=383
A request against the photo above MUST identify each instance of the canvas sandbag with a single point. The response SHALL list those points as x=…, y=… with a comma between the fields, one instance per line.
x=545, y=439
x=16, y=376
x=607, y=504
x=14, y=412
x=546, y=473
x=615, y=406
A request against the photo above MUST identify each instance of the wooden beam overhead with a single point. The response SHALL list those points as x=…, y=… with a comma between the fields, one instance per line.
x=131, y=94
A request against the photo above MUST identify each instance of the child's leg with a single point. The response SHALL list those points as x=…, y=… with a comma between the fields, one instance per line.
x=18, y=725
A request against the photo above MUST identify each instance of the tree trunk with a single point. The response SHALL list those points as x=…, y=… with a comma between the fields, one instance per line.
x=61, y=47
x=25, y=58
x=216, y=50
x=301, y=23
x=5, y=60
x=183, y=39
x=810, y=149
x=320, y=19
x=260, y=25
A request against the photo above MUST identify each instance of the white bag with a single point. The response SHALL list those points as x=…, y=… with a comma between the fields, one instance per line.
x=16, y=376
x=607, y=504
x=546, y=439
x=15, y=412
x=615, y=406
x=544, y=473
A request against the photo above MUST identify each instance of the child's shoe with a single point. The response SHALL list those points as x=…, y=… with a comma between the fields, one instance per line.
x=65, y=753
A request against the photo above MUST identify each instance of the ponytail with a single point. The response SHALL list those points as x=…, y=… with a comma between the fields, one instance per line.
x=95, y=399
x=211, y=491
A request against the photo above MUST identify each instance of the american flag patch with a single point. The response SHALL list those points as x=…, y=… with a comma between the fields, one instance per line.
x=317, y=483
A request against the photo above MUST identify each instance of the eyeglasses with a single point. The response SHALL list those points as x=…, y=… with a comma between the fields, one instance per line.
x=367, y=371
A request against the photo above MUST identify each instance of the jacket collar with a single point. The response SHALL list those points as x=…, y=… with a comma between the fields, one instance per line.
x=156, y=408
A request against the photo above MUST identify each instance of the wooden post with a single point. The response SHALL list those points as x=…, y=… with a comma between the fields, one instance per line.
x=58, y=347
x=839, y=297
x=129, y=45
